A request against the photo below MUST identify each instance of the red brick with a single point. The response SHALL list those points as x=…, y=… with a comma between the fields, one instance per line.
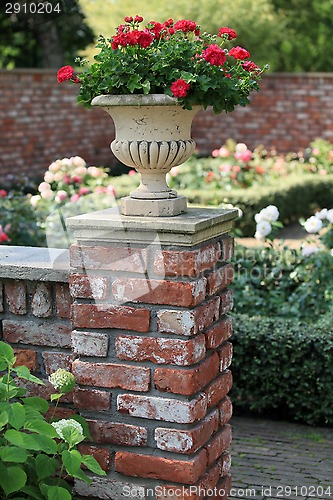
x=219, y=388
x=91, y=399
x=63, y=300
x=161, y=350
x=218, y=333
x=59, y=412
x=111, y=258
x=168, y=410
x=26, y=357
x=218, y=444
x=224, y=463
x=186, y=262
x=147, y=466
x=219, y=279
x=90, y=343
x=132, y=378
x=228, y=247
x=187, y=441
x=188, y=322
x=55, y=360
x=174, y=293
x=101, y=455
x=189, y=381
x=16, y=297
x=227, y=301
x=41, y=303
x=225, y=409
x=110, y=316
x=222, y=489
x=35, y=333
x=225, y=355
x=105, y=432
x=88, y=287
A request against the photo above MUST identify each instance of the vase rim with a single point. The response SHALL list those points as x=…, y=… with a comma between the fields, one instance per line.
x=134, y=100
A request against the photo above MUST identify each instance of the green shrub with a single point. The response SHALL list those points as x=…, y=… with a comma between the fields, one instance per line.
x=283, y=368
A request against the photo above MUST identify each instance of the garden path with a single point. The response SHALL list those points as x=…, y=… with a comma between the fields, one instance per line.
x=274, y=459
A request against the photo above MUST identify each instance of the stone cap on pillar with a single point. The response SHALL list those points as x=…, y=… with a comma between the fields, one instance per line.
x=194, y=227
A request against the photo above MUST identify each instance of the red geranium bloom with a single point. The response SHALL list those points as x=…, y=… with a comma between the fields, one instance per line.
x=179, y=88
x=66, y=73
x=138, y=19
x=251, y=66
x=227, y=31
x=128, y=19
x=145, y=39
x=185, y=25
x=214, y=55
x=156, y=29
x=239, y=53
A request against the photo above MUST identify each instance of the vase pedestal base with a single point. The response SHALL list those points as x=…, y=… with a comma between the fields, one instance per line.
x=153, y=208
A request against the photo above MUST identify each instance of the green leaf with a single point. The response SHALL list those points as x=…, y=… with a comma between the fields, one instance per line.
x=93, y=465
x=46, y=466
x=41, y=427
x=54, y=397
x=6, y=355
x=3, y=419
x=58, y=493
x=33, y=492
x=36, y=403
x=72, y=436
x=72, y=461
x=12, y=478
x=16, y=415
x=31, y=441
x=13, y=454
x=24, y=372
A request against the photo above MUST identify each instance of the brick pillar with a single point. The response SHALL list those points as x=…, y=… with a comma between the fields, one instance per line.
x=151, y=330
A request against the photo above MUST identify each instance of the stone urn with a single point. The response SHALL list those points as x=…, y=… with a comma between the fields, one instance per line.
x=152, y=135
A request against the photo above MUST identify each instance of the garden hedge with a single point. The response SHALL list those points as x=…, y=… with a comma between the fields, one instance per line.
x=295, y=196
x=282, y=368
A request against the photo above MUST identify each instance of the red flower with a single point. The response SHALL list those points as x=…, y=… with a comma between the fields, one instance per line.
x=3, y=193
x=128, y=19
x=3, y=236
x=227, y=31
x=239, y=53
x=186, y=26
x=156, y=29
x=214, y=55
x=180, y=88
x=145, y=39
x=169, y=22
x=251, y=66
x=67, y=73
x=138, y=19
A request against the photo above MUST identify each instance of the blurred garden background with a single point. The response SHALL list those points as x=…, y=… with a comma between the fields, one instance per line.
x=55, y=161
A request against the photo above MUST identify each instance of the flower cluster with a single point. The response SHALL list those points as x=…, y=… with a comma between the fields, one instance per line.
x=172, y=58
x=62, y=380
x=69, y=423
x=265, y=219
x=319, y=225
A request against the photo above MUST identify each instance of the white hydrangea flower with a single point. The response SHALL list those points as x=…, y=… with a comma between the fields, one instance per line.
x=322, y=214
x=263, y=229
x=67, y=423
x=329, y=215
x=62, y=380
x=313, y=224
x=309, y=250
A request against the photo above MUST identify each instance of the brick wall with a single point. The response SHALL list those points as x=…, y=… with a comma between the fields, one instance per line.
x=40, y=120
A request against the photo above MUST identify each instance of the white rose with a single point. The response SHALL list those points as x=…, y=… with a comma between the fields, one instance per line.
x=58, y=176
x=47, y=194
x=271, y=213
x=55, y=166
x=44, y=186
x=77, y=161
x=34, y=200
x=313, y=224
x=48, y=176
x=241, y=147
x=322, y=214
x=309, y=250
x=329, y=215
x=263, y=229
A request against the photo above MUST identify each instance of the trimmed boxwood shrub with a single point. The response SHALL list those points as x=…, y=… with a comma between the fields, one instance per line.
x=282, y=368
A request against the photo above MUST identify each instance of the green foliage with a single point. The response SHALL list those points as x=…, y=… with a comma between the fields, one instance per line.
x=35, y=459
x=282, y=368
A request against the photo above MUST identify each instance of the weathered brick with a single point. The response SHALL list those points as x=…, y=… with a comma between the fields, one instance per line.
x=169, y=410
x=91, y=399
x=63, y=300
x=177, y=293
x=219, y=388
x=107, y=488
x=227, y=301
x=161, y=350
x=111, y=258
x=16, y=297
x=55, y=360
x=149, y=466
x=88, y=287
x=132, y=378
x=225, y=355
x=224, y=463
x=36, y=333
x=101, y=455
x=188, y=381
x=187, y=441
x=218, y=444
x=228, y=245
x=26, y=357
x=90, y=343
x=219, y=279
x=110, y=316
x=225, y=409
x=41, y=303
x=105, y=432
x=185, y=322
x=219, y=332
x=186, y=262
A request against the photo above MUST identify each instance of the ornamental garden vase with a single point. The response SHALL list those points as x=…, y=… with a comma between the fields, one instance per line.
x=152, y=135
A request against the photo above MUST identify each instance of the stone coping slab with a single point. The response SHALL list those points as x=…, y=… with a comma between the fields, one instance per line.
x=193, y=227
x=34, y=263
